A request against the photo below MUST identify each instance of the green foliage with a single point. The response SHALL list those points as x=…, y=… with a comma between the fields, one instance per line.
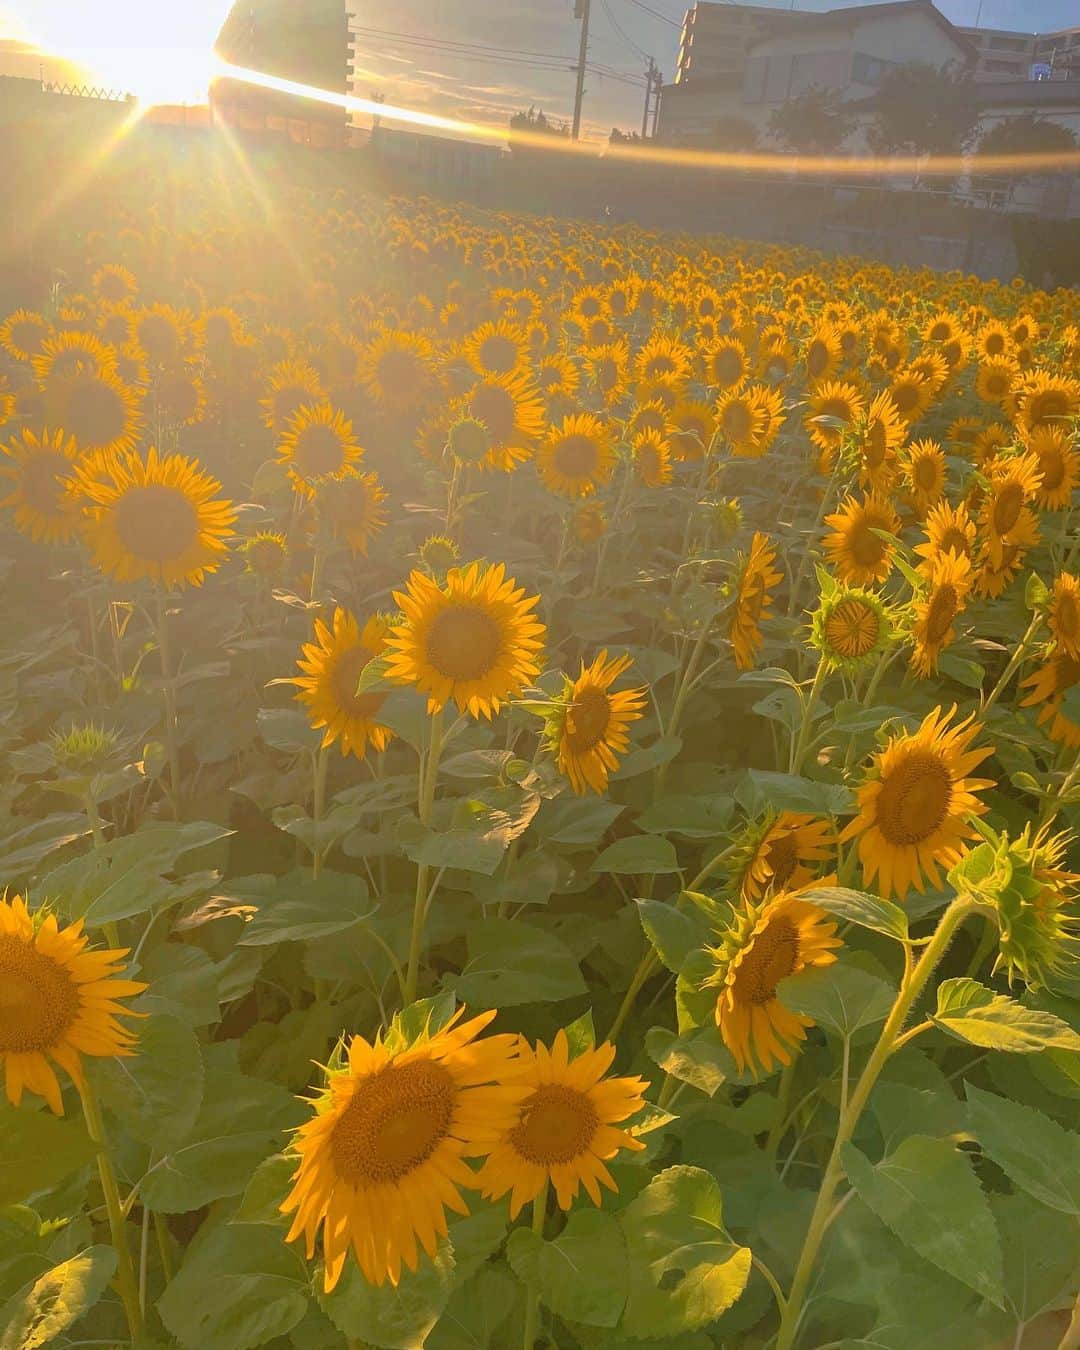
x=1036, y=1153
x=971, y=1012
x=50, y=1305
x=39, y=1151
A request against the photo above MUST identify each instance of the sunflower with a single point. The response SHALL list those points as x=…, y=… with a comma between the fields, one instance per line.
x=180, y=397
x=318, y=442
x=590, y=523
x=1064, y=614
x=924, y=470
x=511, y=409
x=914, y=812
x=161, y=333
x=662, y=358
x=332, y=665
x=851, y=628
x=911, y=394
x=741, y=420
x=994, y=342
x=557, y=376
x=577, y=456
x=782, y=853
x=69, y=352
x=473, y=640
x=1005, y=519
x=990, y=442
x=265, y=554
x=765, y=944
x=948, y=529
x=833, y=407
x=725, y=365
x=692, y=426
x=38, y=469
x=1049, y=685
x=96, y=407
x=993, y=578
x=158, y=518
x=350, y=504
x=22, y=334
x=587, y=728
x=114, y=283
x=753, y=600
x=949, y=581
x=878, y=437
x=565, y=1128
x=822, y=353
x=383, y=1156
x=652, y=458
x=858, y=554
x=1043, y=399
x=607, y=369
x=1059, y=464
x=995, y=380
x=290, y=386
x=60, y=1002
x=496, y=348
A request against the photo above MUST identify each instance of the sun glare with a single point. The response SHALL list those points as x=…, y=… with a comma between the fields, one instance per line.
x=160, y=52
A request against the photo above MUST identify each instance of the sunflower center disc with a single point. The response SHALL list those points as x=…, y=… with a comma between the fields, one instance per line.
x=41, y=480
x=587, y=721
x=876, y=444
x=394, y=1122
x=38, y=1000
x=866, y=548
x=852, y=629
x=1007, y=507
x=557, y=1125
x=1052, y=465
x=941, y=613
x=782, y=857
x=318, y=451
x=498, y=353
x=494, y=407
x=914, y=799
x=463, y=643
x=1046, y=406
x=344, y=679
x=771, y=957
x=1068, y=616
x=955, y=540
x=93, y=413
x=737, y=421
x=576, y=456
x=728, y=367
x=156, y=522
x=926, y=474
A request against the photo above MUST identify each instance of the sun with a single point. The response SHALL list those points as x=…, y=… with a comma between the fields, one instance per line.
x=160, y=53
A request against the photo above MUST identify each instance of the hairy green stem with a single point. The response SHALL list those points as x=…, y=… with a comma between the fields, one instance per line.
x=909, y=992
x=125, y=1270
x=169, y=690
x=319, y=763
x=532, y=1296
x=429, y=772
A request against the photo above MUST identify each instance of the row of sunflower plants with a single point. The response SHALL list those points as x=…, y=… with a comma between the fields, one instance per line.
x=539, y=784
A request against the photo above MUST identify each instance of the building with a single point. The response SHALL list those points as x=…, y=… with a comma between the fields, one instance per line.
x=1001, y=54
x=716, y=37
x=1057, y=55
x=789, y=52
x=307, y=41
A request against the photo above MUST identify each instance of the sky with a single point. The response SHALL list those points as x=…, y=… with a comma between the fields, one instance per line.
x=161, y=46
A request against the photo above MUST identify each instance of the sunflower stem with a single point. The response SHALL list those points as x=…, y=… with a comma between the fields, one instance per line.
x=908, y=993
x=798, y=747
x=169, y=689
x=429, y=772
x=1012, y=666
x=163, y=1241
x=319, y=763
x=783, y=1097
x=532, y=1295
x=125, y=1270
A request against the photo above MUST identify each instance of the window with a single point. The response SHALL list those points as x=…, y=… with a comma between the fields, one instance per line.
x=869, y=69
x=754, y=75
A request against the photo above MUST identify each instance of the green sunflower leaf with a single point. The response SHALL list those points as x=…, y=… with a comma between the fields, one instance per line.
x=638, y=855
x=582, y=1275
x=44, y=1310
x=868, y=911
x=1036, y=1153
x=39, y=1150
x=969, y=1011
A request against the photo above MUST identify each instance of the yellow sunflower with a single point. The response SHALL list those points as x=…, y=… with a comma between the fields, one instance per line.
x=879, y=436
x=496, y=348
x=692, y=427
x=652, y=458
x=924, y=470
x=993, y=578
x=512, y=411
x=914, y=812
x=383, y=1156
x=96, y=407
x=752, y=600
x=662, y=357
x=725, y=365
x=1005, y=519
x=948, y=529
x=350, y=505
x=38, y=470
x=911, y=394
x=473, y=640
x=590, y=523
x=783, y=854
x=1049, y=685
x=60, y=1002
x=158, y=519
x=586, y=729
x=607, y=369
x=577, y=456
x=1064, y=615
x=1045, y=399
x=833, y=408
x=858, y=554
x=565, y=1128
x=765, y=944
x=114, y=283
x=22, y=334
x=995, y=380
x=742, y=420
x=1059, y=464
x=318, y=442
x=290, y=386
x=557, y=376
x=823, y=352
x=949, y=577
x=69, y=352
x=332, y=665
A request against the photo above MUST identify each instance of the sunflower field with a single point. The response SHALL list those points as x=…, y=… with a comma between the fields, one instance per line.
x=539, y=770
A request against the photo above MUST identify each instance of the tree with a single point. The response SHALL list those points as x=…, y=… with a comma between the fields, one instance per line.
x=923, y=110
x=733, y=133
x=1026, y=134
x=814, y=123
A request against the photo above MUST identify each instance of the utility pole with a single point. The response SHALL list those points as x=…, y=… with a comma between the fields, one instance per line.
x=650, y=75
x=581, y=11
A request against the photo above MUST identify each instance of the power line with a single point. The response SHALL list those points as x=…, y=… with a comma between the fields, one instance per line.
x=421, y=39
x=627, y=39
x=656, y=13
